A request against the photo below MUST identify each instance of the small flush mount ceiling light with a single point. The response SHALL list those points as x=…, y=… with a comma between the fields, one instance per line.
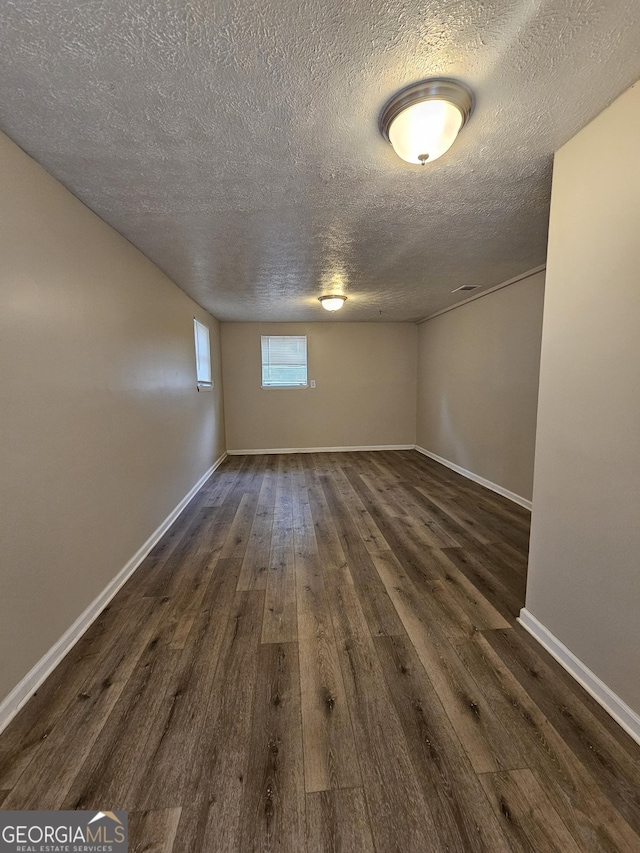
x=422, y=121
x=332, y=303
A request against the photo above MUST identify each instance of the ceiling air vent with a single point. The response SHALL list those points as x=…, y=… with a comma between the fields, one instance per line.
x=466, y=287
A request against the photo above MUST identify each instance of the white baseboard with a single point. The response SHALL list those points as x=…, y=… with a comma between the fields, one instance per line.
x=613, y=704
x=319, y=449
x=500, y=490
x=25, y=689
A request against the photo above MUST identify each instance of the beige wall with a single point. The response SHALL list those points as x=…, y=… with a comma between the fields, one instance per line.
x=584, y=572
x=478, y=384
x=365, y=394
x=103, y=431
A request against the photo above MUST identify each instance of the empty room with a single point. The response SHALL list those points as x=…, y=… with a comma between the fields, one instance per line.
x=319, y=419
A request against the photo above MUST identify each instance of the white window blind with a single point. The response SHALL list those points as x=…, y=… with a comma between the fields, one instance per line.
x=203, y=353
x=284, y=361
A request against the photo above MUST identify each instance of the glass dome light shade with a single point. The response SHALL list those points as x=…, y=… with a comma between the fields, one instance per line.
x=422, y=121
x=332, y=303
x=425, y=131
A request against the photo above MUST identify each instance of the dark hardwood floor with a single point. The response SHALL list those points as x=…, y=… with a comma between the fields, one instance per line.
x=322, y=655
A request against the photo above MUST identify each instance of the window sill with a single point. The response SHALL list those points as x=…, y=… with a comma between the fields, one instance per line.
x=283, y=387
x=205, y=386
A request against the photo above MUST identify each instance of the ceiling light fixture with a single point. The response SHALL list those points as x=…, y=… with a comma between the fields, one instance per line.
x=332, y=303
x=422, y=121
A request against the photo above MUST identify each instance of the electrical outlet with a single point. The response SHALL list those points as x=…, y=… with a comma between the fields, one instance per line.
x=313, y=383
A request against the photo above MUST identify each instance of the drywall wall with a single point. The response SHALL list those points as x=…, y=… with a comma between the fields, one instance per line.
x=103, y=430
x=365, y=394
x=584, y=568
x=478, y=384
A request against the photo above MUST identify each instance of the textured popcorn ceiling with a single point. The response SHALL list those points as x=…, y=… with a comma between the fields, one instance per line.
x=236, y=144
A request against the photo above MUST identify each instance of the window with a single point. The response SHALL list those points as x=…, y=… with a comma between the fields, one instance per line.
x=284, y=361
x=203, y=354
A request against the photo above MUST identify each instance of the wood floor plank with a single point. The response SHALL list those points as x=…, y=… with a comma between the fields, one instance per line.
x=267, y=495
x=220, y=485
x=480, y=574
x=463, y=815
x=117, y=759
x=384, y=496
x=185, y=616
x=240, y=530
x=159, y=570
x=497, y=516
x=400, y=816
x=273, y=806
x=614, y=768
x=608, y=723
x=314, y=620
x=515, y=559
x=381, y=614
x=255, y=565
x=494, y=515
x=425, y=530
x=415, y=467
x=338, y=822
x=94, y=656
x=168, y=766
x=299, y=491
x=506, y=567
x=195, y=553
x=153, y=831
x=407, y=551
x=185, y=529
x=330, y=551
x=284, y=486
x=461, y=524
x=488, y=746
x=416, y=510
x=184, y=590
x=330, y=758
x=250, y=478
x=321, y=655
x=330, y=755
x=213, y=796
x=312, y=607
x=303, y=529
x=589, y=815
x=463, y=610
x=361, y=520
x=280, y=623
x=424, y=522
x=527, y=815
x=466, y=598
x=45, y=779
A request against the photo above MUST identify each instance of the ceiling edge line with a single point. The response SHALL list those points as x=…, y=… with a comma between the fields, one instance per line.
x=493, y=289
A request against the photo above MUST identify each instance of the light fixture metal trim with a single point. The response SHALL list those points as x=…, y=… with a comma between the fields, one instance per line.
x=332, y=296
x=432, y=89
